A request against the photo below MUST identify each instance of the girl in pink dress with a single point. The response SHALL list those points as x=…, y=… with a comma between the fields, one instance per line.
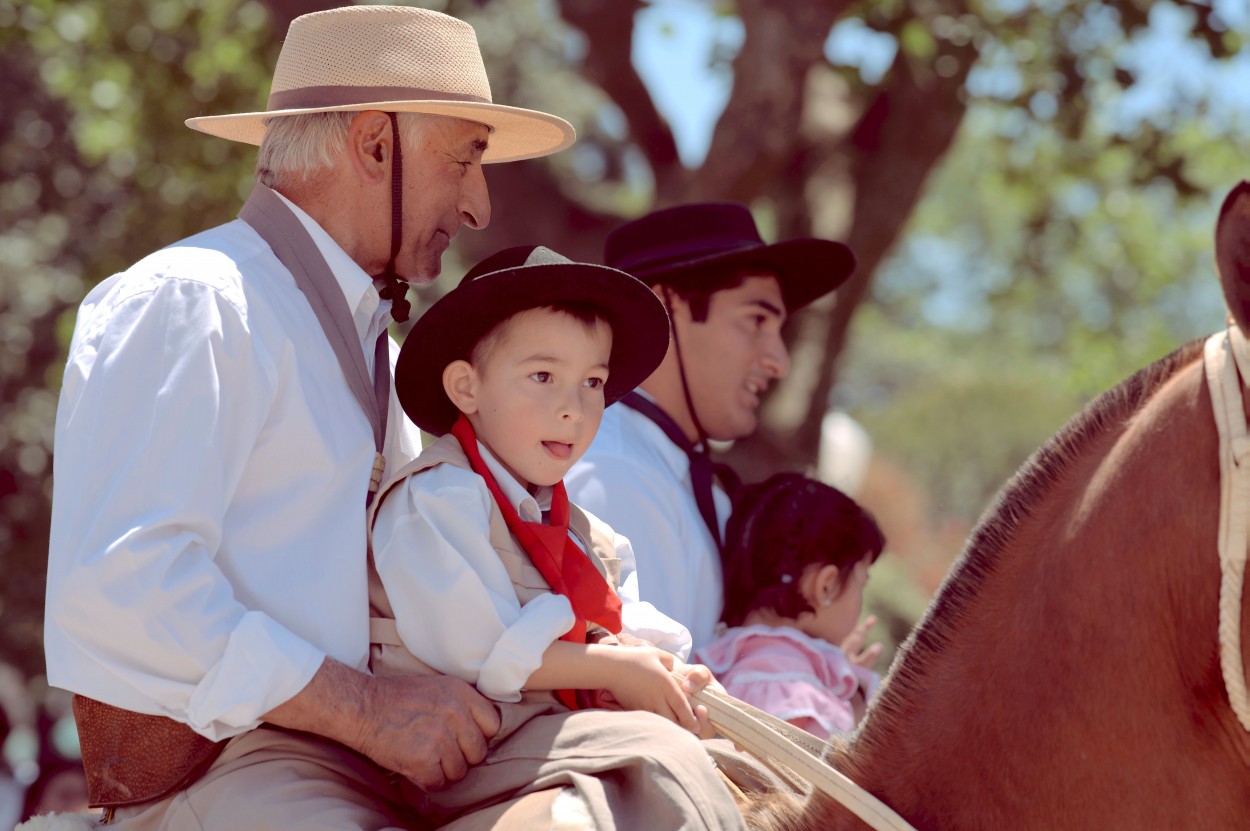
x=796, y=561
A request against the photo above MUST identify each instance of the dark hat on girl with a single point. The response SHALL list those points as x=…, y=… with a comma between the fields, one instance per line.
x=511, y=281
x=679, y=246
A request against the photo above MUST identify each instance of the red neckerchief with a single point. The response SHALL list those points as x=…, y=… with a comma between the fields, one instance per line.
x=565, y=567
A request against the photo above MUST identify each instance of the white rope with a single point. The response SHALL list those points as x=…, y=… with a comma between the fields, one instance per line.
x=1226, y=400
x=794, y=754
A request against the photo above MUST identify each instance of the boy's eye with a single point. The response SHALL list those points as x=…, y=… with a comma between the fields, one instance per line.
x=541, y=377
x=595, y=383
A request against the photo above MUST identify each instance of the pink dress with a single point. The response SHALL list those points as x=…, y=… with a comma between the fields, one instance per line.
x=789, y=674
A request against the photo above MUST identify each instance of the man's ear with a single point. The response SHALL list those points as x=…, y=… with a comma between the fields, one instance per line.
x=370, y=145
x=674, y=303
x=460, y=384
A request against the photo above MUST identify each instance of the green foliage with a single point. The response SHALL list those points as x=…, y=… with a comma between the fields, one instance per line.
x=98, y=170
x=1057, y=250
x=961, y=413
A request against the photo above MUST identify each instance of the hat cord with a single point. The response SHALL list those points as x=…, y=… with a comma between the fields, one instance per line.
x=394, y=287
x=701, y=444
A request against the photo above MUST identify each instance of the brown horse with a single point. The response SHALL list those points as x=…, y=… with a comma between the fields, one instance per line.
x=1067, y=675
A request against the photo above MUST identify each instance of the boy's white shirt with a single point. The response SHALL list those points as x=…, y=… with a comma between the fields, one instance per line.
x=454, y=603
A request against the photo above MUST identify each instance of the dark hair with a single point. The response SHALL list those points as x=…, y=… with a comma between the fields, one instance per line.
x=781, y=526
x=697, y=287
x=587, y=314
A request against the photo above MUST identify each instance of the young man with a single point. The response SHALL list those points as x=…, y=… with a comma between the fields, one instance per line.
x=477, y=540
x=648, y=472
x=225, y=407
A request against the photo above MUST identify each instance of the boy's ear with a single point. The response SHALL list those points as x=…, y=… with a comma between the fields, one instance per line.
x=460, y=384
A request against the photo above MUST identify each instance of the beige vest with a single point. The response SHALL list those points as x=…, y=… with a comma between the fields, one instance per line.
x=387, y=655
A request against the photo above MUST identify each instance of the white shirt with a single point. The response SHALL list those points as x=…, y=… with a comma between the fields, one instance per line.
x=431, y=545
x=639, y=482
x=208, y=547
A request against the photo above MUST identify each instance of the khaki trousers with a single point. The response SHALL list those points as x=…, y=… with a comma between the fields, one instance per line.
x=276, y=780
x=634, y=771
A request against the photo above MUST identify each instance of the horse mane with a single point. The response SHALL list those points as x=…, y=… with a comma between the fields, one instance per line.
x=999, y=524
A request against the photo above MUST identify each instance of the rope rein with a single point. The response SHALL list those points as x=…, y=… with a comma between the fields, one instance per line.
x=794, y=755
x=1226, y=399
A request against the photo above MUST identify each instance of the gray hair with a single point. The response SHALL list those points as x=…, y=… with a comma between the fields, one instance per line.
x=296, y=146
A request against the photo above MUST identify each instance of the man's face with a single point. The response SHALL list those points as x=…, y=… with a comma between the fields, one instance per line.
x=444, y=188
x=732, y=357
x=539, y=393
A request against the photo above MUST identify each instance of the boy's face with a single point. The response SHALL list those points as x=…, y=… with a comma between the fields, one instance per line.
x=537, y=395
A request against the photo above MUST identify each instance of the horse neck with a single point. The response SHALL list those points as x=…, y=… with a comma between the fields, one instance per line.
x=1074, y=667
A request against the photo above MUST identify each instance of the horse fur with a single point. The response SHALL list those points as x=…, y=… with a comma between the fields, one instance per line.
x=1067, y=674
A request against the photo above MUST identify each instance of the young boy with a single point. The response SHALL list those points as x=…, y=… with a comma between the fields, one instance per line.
x=486, y=572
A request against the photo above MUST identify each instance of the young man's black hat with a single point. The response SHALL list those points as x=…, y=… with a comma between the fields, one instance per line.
x=690, y=245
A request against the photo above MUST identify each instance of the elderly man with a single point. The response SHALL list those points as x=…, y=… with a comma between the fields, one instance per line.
x=648, y=472
x=226, y=414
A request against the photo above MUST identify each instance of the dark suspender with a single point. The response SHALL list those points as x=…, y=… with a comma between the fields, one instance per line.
x=702, y=469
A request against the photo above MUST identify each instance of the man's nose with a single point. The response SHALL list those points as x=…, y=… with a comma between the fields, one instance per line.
x=475, y=199
x=775, y=356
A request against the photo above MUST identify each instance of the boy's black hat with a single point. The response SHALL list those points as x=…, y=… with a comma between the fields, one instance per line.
x=678, y=246
x=511, y=281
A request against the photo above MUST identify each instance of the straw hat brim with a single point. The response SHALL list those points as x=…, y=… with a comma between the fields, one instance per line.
x=516, y=133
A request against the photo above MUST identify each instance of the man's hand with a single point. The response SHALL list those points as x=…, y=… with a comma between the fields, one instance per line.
x=427, y=728
x=853, y=644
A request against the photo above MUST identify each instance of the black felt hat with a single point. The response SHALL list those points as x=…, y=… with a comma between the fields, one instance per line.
x=681, y=246
x=511, y=281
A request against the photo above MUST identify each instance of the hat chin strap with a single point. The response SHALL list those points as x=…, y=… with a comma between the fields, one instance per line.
x=394, y=288
x=702, y=440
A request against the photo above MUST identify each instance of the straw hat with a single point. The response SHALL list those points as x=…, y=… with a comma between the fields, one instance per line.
x=394, y=59
x=511, y=281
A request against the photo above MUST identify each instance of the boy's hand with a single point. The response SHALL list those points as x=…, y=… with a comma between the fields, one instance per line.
x=642, y=678
x=695, y=677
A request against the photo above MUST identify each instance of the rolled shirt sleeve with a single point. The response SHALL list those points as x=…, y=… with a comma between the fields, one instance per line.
x=454, y=603
x=162, y=389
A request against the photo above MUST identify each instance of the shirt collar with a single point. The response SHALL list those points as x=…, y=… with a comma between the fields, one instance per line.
x=357, y=286
x=673, y=456
x=529, y=506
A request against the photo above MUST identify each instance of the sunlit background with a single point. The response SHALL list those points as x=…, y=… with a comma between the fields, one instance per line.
x=1030, y=186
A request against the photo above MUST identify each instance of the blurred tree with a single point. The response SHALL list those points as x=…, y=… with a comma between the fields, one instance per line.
x=1062, y=226
x=97, y=171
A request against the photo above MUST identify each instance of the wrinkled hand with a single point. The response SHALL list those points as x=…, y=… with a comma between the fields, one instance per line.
x=853, y=644
x=427, y=728
x=430, y=729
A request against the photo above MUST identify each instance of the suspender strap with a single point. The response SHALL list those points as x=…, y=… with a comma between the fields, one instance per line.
x=278, y=226
x=702, y=468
